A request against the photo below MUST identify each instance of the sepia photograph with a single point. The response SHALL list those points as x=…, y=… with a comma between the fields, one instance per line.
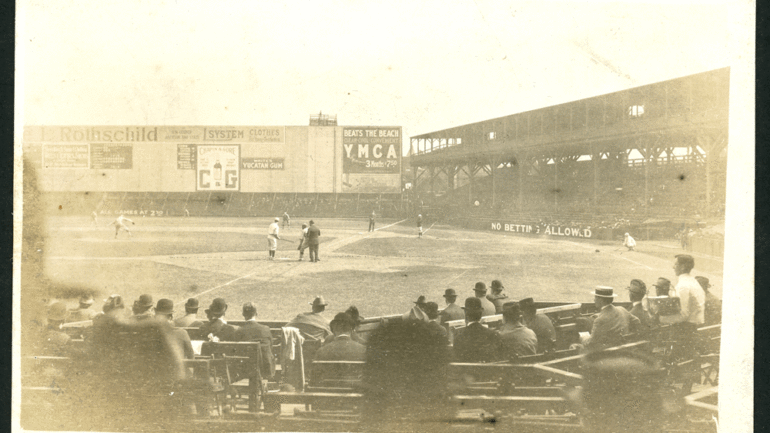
x=533, y=216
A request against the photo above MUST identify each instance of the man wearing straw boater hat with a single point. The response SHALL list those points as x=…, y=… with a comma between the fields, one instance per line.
x=452, y=310
x=611, y=323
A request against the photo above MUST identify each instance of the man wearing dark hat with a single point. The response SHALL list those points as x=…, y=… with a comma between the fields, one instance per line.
x=190, y=319
x=313, y=233
x=636, y=292
x=476, y=342
x=496, y=297
x=431, y=310
x=164, y=312
x=417, y=312
x=452, y=311
x=517, y=339
x=480, y=290
x=217, y=326
x=54, y=340
x=540, y=324
x=142, y=308
x=342, y=348
x=712, y=311
x=253, y=331
x=313, y=325
x=84, y=311
x=663, y=287
x=611, y=323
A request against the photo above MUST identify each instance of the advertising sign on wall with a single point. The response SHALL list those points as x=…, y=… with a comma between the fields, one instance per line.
x=371, y=150
x=185, y=157
x=218, y=167
x=262, y=163
x=112, y=156
x=248, y=134
x=65, y=156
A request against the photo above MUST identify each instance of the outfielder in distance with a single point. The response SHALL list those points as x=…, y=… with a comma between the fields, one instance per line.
x=272, y=238
x=120, y=225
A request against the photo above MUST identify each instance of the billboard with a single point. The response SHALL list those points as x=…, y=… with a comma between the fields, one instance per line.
x=371, y=159
x=217, y=167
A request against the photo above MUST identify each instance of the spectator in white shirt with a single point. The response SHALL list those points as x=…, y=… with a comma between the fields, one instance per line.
x=691, y=296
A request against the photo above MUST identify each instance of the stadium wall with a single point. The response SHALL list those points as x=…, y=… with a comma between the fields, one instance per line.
x=248, y=159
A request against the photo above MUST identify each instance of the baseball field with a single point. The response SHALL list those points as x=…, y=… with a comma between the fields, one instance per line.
x=381, y=272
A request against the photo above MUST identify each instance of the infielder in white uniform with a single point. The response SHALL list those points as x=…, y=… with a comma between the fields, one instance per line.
x=272, y=238
x=629, y=242
x=119, y=225
x=93, y=219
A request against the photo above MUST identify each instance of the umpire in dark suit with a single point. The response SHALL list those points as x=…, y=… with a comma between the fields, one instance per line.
x=313, y=233
x=475, y=342
x=253, y=331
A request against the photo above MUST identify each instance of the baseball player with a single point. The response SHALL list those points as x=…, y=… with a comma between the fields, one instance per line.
x=93, y=219
x=119, y=224
x=419, y=226
x=629, y=242
x=371, y=221
x=286, y=220
x=272, y=238
x=302, y=242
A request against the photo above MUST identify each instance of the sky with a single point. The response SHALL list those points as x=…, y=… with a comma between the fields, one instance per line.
x=425, y=66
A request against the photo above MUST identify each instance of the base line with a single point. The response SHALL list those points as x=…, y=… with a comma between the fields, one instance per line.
x=217, y=287
x=431, y=226
x=632, y=261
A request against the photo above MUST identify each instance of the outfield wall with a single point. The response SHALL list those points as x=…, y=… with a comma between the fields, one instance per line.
x=250, y=159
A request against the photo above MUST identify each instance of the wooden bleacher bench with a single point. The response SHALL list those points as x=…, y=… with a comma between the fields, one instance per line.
x=244, y=358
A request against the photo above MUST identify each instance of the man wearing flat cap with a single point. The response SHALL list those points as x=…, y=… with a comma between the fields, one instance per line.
x=611, y=323
x=637, y=290
x=190, y=318
x=488, y=308
x=452, y=311
x=142, y=308
x=164, y=313
x=496, y=297
x=313, y=325
x=217, y=327
x=253, y=331
x=476, y=342
x=712, y=311
x=540, y=324
x=272, y=238
x=517, y=339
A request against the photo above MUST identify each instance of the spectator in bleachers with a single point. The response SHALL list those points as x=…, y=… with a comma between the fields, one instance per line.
x=431, y=310
x=343, y=348
x=517, y=339
x=480, y=291
x=665, y=313
x=313, y=325
x=663, y=287
x=164, y=312
x=540, y=324
x=496, y=297
x=217, y=327
x=476, y=342
x=142, y=308
x=416, y=312
x=611, y=323
x=452, y=311
x=54, y=340
x=405, y=379
x=253, y=331
x=84, y=311
x=691, y=294
x=190, y=319
x=712, y=311
x=637, y=290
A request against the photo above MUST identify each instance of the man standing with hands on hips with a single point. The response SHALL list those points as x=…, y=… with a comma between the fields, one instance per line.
x=312, y=241
x=272, y=238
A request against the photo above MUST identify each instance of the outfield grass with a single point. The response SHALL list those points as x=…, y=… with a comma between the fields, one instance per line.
x=381, y=272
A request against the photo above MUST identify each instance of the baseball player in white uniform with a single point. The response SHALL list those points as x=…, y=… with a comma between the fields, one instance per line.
x=272, y=238
x=119, y=224
x=629, y=242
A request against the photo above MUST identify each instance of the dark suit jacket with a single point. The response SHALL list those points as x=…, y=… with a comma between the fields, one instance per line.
x=452, y=312
x=220, y=330
x=712, y=311
x=253, y=331
x=644, y=317
x=342, y=348
x=188, y=321
x=312, y=235
x=438, y=329
x=544, y=331
x=475, y=343
x=609, y=327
